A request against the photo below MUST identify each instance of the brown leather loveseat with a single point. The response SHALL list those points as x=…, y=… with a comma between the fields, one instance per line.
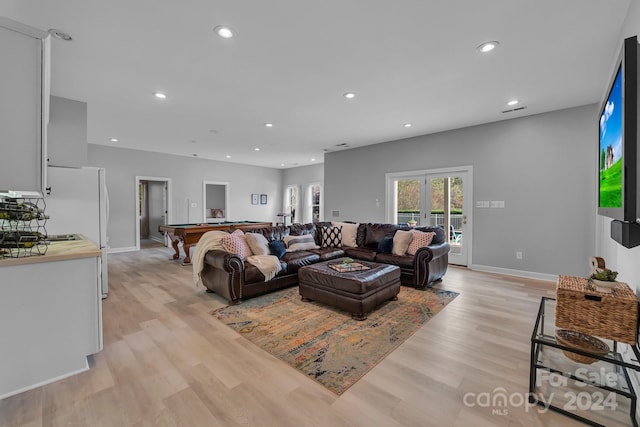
x=229, y=276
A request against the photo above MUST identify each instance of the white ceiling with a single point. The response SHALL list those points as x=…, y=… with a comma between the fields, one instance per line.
x=408, y=61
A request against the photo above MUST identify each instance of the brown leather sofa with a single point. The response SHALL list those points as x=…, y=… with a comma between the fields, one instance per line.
x=227, y=275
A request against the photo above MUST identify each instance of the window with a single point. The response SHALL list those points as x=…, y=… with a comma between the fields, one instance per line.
x=291, y=203
x=315, y=196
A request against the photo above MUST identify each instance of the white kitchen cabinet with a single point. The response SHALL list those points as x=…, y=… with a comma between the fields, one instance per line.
x=24, y=85
x=50, y=315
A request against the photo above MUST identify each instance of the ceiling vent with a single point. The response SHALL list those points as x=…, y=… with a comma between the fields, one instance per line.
x=514, y=109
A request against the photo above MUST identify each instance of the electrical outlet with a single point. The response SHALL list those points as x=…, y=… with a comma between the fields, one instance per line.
x=194, y=205
x=518, y=255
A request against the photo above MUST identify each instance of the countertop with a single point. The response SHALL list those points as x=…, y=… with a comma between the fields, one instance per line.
x=58, y=251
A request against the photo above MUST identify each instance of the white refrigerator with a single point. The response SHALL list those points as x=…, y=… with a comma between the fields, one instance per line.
x=78, y=203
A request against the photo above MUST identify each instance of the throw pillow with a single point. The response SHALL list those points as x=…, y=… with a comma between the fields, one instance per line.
x=258, y=243
x=401, y=241
x=331, y=237
x=349, y=233
x=420, y=239
x=440, y=235
x=385, y=245
x=235, y=243
x=300, y=243
x=277, y=248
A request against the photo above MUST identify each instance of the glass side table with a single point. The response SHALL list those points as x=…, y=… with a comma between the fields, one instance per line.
x=560, y=381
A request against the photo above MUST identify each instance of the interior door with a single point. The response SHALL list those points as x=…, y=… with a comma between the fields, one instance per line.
x=143, y=209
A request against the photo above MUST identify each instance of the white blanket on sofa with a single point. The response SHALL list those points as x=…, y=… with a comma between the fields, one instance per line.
x=209, y=241
x=269, y=265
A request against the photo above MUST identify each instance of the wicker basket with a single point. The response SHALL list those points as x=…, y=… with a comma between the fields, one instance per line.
x=581, y=308
x=581, y=342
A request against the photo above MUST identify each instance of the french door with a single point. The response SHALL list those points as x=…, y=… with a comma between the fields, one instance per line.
x=437, y=198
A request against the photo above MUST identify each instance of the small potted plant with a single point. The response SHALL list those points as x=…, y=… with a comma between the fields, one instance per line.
x=346, y=261
x=605, y=280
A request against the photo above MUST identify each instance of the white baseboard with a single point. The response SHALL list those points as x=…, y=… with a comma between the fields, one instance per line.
x=124, y=249
x=159, y=239
x=49, y=381
x=517, y=273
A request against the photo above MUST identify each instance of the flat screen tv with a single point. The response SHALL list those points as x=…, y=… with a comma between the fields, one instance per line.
x=618, y=139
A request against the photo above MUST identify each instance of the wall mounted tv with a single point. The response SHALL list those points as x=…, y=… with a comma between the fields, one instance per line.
x=618, y=139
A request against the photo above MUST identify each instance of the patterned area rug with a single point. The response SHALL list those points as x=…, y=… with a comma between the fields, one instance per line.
x=324, y=343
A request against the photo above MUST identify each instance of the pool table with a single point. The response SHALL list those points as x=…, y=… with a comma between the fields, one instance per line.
x=189, y=234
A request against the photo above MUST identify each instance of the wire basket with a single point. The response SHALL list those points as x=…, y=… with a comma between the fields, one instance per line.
x=581, y=342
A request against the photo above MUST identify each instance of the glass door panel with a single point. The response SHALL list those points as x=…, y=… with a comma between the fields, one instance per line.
x=409, y=201
x=448, y=209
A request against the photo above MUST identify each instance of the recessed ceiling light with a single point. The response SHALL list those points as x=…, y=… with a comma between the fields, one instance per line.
x=313, y=160
x=487, y=46
x=513, y=102
x=408, y=125
x=256, y=149
x=60, y=35
x=281, y=164
x=269, y=125
x=159, y=95
x=349, y=95
x=224, y=31
x=228, y=156
x=113, y=139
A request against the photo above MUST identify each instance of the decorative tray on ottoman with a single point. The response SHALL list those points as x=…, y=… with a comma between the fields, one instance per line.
x=582, y=309
x=345, y=268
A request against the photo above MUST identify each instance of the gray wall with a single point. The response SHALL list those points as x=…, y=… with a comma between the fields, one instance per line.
x=617, y=257
x=303, y=176
x=541, y=166
x=186, y=174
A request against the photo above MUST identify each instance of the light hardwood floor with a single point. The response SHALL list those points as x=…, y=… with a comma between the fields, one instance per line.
x=167, y=362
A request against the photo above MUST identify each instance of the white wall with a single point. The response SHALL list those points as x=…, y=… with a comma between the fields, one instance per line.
x=625, y=261
x=303, y=176
x=541, y=166
x=187, y=174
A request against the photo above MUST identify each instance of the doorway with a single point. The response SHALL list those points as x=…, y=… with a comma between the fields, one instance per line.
x=215, y=201
x=152, y=210
x=437, y=197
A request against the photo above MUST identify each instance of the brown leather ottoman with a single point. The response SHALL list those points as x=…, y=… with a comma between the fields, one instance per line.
x=357, y=292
